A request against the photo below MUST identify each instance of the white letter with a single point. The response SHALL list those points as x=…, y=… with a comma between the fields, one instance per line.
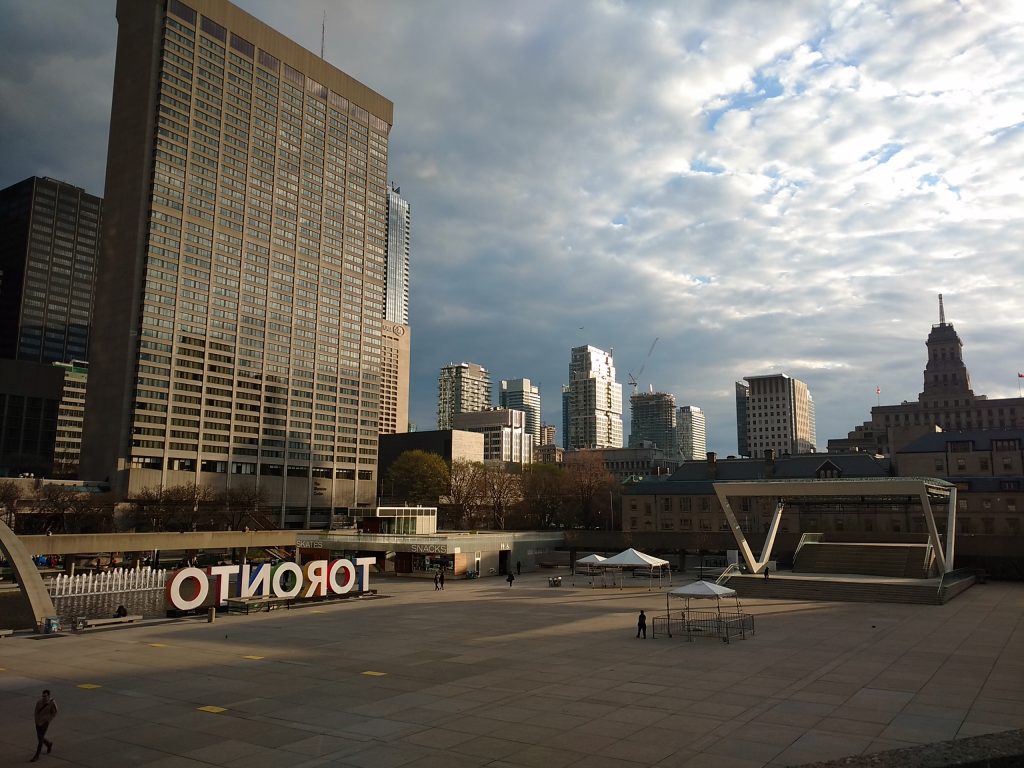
x=364, y=563
x=222, y=572
x=173, y=588
x=317, y=577
x=259, y=583
x=282, y=569
x=332, y=576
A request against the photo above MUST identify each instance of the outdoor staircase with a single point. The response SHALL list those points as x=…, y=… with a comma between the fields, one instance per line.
x=904, y=561
x=834, y=588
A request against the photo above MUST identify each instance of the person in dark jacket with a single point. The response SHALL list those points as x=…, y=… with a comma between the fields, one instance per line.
x=510, y=578
x=641, y=625
x=46, y=710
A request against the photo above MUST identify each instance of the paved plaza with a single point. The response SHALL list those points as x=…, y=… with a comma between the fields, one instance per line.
x=486, y=675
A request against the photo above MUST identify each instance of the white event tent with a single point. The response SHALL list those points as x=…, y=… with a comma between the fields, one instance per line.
x=632, y=560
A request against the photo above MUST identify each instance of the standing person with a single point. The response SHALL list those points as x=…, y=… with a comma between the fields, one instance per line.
x=641, y=625
x=46, y=710
x=437, y=582
x=767, y=570
x=519, y=568
x=441, y=579
x=510, y=578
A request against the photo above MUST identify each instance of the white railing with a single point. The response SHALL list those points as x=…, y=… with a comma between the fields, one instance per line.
x=136, y=580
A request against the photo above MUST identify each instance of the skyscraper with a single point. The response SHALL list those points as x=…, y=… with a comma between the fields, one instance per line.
x=396, y=296
x=461, y=388
x=692, y=432
x=48, y=255
x=742, y=438
x=523, y=396
x=592, y=401
x=653, y=420
x=243, y=264
x=780, y=415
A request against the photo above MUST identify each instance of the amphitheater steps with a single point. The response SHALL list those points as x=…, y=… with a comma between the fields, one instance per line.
x=909, y=561
x=827, y=590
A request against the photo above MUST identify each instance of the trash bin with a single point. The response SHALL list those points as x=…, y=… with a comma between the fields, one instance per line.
x=211, y=614
x=51, y=624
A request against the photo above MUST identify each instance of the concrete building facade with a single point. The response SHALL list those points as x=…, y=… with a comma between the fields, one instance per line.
x=394, y=394
x=521, y=395
x=592, y=401
x=691, y=429
x=461, y=388
x=779, y=415
x=243, y=264
x=506, y=437
x=67, y=449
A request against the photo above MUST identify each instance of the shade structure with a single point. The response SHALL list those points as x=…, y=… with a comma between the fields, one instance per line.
x=702, y=589
x=633, y=560
x=591, y=560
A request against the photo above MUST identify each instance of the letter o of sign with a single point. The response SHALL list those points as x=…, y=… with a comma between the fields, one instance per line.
x=173, y=590
x=333, y=571
x=282, y=569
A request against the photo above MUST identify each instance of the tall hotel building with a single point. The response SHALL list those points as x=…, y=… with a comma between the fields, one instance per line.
x=779, y=415
x=521, y=395
x=240, y=295
x=591, y=401
x=461, y=388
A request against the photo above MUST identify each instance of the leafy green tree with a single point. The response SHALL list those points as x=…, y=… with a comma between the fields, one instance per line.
x=418, y=477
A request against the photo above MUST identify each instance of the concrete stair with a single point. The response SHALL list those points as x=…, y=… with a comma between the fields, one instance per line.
x=904, y=561
x=778, y=587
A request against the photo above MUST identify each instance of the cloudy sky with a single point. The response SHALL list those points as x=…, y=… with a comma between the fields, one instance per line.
x=762, y=186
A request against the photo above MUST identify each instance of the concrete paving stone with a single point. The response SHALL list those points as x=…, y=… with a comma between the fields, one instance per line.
x=884, y=745
x=776, y=734
x=472, y=724
x=709, y=760
x=671, y=737
x=542, y=757
x=745, y=749
x=815, y=746
x=380, y=728
x=487, y=746
x=616, y=729
x=866, y=714
x=854, y=727
x=437, y=738
x=221, y=751
x=603, y=761
x=529, y=734
x=922, y=729
x=688, y=723
x=875, y=698
x=637, y=749
x=802, y=714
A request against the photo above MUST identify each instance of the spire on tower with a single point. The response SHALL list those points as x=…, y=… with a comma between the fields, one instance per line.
x=942, y=312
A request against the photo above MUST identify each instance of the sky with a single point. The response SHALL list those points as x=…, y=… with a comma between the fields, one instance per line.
x=763, y=187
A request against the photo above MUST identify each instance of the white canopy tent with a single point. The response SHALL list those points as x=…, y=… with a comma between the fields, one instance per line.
x=634, y=560
x=587, y=565
x=708, y=623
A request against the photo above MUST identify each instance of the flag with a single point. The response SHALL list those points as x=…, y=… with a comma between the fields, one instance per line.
x=1020, y=375
x=878, y=390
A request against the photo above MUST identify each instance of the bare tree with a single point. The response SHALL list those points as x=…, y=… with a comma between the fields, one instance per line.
x=466, y=492
x=65, y=509
x=502, y=490
x=234, y=505
x=589, y=485
x=543, y=496
x=10, y=493
x=175, y=508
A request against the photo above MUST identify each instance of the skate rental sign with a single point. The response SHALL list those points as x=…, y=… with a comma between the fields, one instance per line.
x=189, y=588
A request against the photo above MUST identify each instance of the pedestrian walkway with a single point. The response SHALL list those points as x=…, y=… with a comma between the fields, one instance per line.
x=484, y=675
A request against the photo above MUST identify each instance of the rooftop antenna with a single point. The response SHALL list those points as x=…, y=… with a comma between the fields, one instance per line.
x=323, y=32
x=942, y=312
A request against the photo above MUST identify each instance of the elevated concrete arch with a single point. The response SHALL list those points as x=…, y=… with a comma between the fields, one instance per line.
x=32, y=587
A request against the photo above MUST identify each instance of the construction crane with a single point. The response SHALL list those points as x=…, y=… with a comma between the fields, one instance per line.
x=633, y=380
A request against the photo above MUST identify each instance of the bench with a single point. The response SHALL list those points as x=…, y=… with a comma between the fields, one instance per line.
x=83, y=623
x=6, y=632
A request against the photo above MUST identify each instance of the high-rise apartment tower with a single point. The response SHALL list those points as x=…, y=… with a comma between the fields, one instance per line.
x=523, y=396
x=240, y=290
x=653, y=420
x=592, y=401
x=692, y=432
x=396, y=296
x=779, y=415
x=461, y=388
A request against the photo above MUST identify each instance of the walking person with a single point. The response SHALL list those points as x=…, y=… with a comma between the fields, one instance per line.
x=641, y=625
x=767, y=570
x=510, y=578
x=437, y=580
x=46, y=710
x=519, y=568
x=441, y=579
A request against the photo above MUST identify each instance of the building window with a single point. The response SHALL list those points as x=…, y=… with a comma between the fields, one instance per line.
x=961, y=464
